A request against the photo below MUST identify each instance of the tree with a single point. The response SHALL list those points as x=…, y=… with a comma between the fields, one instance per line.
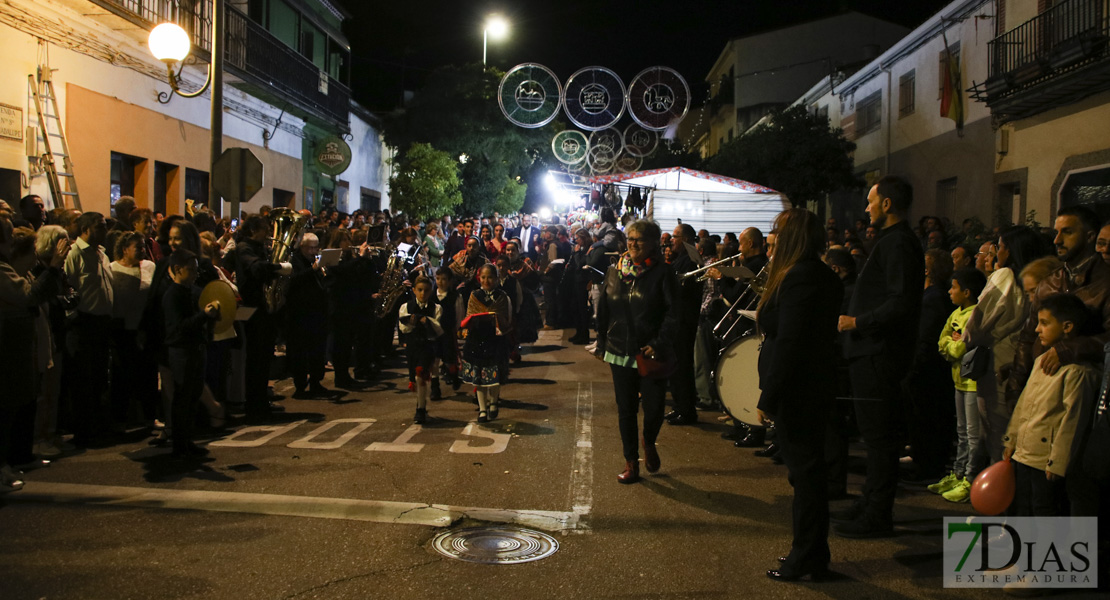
x=456, y=111
x=795, y=153
x=425, y=183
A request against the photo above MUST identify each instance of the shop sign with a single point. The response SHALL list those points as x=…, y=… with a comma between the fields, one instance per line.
x=333, y=155
x=11, y=122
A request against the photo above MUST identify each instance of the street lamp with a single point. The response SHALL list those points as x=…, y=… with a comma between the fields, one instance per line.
x=497, y=28
x=169, y=43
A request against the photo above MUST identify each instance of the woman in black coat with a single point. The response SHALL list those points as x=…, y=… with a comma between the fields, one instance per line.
x=637, y=319
x=798, y=314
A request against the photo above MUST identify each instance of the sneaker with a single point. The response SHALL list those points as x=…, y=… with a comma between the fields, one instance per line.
x=961, y=492
x=948, y=482
x=420, y=416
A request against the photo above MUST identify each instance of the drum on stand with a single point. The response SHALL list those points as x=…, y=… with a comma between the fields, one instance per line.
x=737, y=379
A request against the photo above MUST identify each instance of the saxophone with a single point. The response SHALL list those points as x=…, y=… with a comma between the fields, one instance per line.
x=287, y=226
x=392, y=286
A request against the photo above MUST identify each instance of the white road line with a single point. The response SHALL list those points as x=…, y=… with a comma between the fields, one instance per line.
x=377, y=511
x=582, y=474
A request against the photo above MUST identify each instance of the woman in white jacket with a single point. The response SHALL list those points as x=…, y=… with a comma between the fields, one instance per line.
x=995, y=324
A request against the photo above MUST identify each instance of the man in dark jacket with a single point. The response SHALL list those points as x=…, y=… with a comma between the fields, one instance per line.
x=883, y=319
x=683, y=388
x=306, y=317
x=253, y=271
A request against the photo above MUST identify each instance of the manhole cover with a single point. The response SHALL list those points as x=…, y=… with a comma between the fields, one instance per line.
x=495, y=545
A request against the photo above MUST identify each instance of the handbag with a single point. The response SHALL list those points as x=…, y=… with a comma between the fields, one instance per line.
x=975, y=363
x=652, y=368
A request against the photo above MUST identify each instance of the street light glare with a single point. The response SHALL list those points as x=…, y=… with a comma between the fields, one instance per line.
x=497, y=27
x=169, y=42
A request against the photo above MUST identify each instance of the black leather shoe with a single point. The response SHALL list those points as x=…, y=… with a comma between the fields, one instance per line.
x=768, y=452
x=754, y=439
x=847, y=515
x=785, y=575
x=865, y=527
x=684, y=419
x=670, y=415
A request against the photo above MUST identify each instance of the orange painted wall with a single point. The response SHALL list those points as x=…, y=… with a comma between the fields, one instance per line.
x=97, y=125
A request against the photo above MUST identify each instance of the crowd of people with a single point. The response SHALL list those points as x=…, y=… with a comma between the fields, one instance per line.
x=942, y=353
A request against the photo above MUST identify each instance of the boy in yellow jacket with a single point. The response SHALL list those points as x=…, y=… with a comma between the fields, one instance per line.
x=967, y=284
x=1044, y=422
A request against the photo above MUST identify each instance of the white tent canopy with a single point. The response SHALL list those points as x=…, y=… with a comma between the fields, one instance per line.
x=704, y=200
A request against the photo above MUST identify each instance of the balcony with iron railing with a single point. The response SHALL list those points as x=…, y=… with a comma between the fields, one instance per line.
x=259, y=62
x=1055, y=58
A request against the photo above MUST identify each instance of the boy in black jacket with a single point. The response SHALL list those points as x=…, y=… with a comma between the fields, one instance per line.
x=188, y=330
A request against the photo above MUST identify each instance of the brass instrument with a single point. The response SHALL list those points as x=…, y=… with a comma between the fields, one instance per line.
x=393, y=286
x=746, y=302
x=698, y=272
x=287, y=226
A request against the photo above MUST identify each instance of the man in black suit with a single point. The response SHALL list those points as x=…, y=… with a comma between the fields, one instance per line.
x=529, y=237
x=683, y=388
x=882, y=322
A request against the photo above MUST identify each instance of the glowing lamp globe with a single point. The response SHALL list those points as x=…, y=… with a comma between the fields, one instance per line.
x=169, y=42
x=497, y=27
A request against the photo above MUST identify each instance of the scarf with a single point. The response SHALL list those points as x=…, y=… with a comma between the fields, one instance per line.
x=630, y=269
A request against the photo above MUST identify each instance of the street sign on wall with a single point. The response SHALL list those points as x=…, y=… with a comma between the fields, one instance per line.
x=332, y=155
x=237, y=175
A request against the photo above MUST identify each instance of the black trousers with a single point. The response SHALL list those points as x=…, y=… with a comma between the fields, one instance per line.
x=876, y=385
x=349, y=333
x=307, y=352
x=682, y=383
x=630, y=390
x=188, y=367
x=931, y=419
x=581, y=300
x=91, y=365
x=134, y=377
x=261, y=332
x=1035, y=495
x=17, y=434
x=551, y=297
x=800, y=432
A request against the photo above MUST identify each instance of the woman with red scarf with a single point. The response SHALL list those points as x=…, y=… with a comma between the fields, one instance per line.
x=636, y=324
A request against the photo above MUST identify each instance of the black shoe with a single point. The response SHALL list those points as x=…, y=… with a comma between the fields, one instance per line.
x=420, y=416
x=754, y=439
x=670, y=415
x=768, y=452
x=492, y=412
x=684, y=419
x=346, y=383
x=781, y=574
x=317, y=390
x=436, y=394
x=847, y=515
x=865, y=527
x=705, y=405
x=778, y=459
x=456, y=383
x=195, y=450
x=302, y=394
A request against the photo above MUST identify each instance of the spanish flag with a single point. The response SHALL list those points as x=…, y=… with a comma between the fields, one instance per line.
x=952, y=99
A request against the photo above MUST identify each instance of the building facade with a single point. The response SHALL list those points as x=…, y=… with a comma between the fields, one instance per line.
x=285, y=77
x=757, y=74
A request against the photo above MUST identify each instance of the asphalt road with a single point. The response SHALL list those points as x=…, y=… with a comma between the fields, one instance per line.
x=342, y=499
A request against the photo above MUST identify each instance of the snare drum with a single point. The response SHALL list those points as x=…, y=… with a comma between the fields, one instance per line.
x=737, y=379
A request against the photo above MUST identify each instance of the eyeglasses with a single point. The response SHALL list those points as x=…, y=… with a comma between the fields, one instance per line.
x=636, y=239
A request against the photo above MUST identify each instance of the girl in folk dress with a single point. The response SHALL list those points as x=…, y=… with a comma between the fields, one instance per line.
x=485, y=356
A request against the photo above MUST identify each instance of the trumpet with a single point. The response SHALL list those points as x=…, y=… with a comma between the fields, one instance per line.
x=699, y=273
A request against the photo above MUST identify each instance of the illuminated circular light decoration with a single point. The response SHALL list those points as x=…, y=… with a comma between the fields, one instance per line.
x=658, y=96
x=608, y=138
x=169, y=42
x=601, y=159
x=627, y=163
x=639, y=141
x=529, y=95
x=594, y=98
x=570, y=146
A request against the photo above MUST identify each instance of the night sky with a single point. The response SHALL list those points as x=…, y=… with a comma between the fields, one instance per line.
x=395, y=44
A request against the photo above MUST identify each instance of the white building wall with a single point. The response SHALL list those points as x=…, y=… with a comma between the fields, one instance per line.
x=370, y=158
x=134, y=79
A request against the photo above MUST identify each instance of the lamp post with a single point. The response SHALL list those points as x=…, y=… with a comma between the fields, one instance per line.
x=169, y=43
x=496, y=27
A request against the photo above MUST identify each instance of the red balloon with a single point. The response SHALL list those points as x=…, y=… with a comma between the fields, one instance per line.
x=993, y=490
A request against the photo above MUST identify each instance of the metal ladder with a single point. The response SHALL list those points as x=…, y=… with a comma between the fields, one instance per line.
x=50, y=126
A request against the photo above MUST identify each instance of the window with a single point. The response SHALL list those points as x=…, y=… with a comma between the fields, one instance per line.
x=823, y=112
x=946, y=197
x=942, y=67
x=370, y=200
x=284, y=23
x=730, y=135
x=1088, y=187
x=164, y=176
x=123, y=176
x=906, y=89
x=869, y=114
x=196, y=188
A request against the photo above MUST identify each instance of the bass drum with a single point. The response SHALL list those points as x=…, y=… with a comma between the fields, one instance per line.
x=737, y=380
